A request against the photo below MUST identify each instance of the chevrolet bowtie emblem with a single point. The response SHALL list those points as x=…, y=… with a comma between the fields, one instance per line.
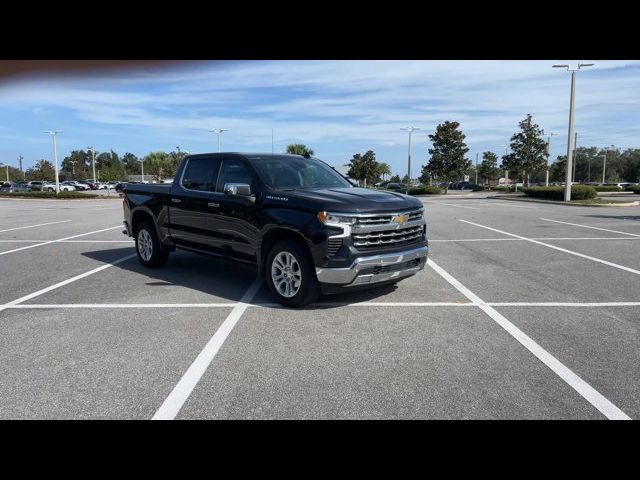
x=400, y=219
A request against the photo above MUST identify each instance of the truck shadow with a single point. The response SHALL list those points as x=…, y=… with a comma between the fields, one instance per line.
x=224, y=279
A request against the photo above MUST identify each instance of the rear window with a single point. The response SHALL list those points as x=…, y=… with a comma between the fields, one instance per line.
x=201, y=174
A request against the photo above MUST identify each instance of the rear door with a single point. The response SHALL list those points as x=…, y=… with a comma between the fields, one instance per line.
x=194, y=204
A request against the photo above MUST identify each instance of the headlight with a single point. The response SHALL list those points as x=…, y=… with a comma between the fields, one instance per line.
x=326, y=218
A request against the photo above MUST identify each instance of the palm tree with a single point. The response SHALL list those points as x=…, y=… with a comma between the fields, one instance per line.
x=299, y=149
x=384, y=169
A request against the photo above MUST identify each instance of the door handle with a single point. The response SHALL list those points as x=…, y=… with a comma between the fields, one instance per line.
x=176, y=200
x=213, y=204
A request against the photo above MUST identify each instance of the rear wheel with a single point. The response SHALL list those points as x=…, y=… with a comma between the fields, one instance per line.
x=150, y=252
x=290, y=274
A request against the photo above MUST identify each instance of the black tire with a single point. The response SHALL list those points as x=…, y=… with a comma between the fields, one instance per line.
x=308, y=289
x=148, y=247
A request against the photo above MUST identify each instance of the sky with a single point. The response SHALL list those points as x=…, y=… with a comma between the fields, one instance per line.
x=337, y=108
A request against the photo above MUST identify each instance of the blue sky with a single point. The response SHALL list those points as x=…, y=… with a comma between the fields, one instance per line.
x=338, y=108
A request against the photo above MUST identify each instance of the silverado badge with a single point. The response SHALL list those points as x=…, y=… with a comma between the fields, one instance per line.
x=400, y=219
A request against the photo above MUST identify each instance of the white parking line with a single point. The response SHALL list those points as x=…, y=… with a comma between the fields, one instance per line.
x=45, y=306
x=532, y=238
x=14, y=240
x=589, y=226
x=33, y=226
x=548, y=245
x=590, y=394
x=56, y=241
x=181, y=392
x=63, y=283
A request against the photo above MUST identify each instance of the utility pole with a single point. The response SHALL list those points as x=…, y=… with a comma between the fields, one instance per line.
x=551, y=134
x=476, y=168
x=567, y=187
x=7, y=167
x=575, y=155
x=409, y=129
x=93, y=163
x=73, y=167
x=604, y=166
x=218, y=131
x=20, y=157
x=142, y=168
x=53, y=134
x=506, y=170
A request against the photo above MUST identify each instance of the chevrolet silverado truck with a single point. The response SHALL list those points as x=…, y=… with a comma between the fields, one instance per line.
x=307, y=228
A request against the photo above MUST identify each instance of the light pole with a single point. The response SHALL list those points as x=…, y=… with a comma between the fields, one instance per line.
x=53, y=134
x=73, y=167
x=218, y=131
x=24, y=175
x=409, y=129
x=604, y=165
x=551, y=134
x=93, y=162
x=142, y=168
x=506, y=170
x=567, y=187
x=476, y=168
x=575, y=155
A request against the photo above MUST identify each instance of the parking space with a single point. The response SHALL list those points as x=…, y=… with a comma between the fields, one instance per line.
x=526, y=311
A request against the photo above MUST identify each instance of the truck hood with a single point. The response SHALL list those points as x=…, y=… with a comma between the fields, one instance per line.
x=353, y=200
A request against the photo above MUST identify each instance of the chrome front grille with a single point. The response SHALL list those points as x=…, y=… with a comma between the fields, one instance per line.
x=388, y=237
x=386, y=218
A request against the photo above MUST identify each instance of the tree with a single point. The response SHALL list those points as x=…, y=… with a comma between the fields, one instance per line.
x=447, y=161
x=395, y=179
x=300, y=149
x=384, y=169
x=131, y=164
x=15, y=175
x=364, y=167
x=161, y=165
x=77, y=165
x=528, y=149
x=488, y=168
x=42, y=170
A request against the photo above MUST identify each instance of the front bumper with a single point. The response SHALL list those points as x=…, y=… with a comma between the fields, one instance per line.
x=376, y=269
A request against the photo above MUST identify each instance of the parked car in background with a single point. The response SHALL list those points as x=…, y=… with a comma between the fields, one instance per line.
x=51, y=187
x=395, y=186
x=120, y=186
x=12, y=187
x=88, y=184
x=621, y=185
x=36, y=185
x=76, y=185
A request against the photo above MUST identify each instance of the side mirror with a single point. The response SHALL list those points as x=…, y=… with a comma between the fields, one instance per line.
x=237, y=189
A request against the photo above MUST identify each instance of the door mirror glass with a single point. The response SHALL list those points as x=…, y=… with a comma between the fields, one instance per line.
x=237, y=189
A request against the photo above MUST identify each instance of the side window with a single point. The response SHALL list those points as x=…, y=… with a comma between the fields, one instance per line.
x=234, y=171
x=200, y=174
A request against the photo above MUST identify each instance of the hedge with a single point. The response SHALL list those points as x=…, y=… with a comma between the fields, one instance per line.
x=63, y=195
x=425, y=190
x=578, y=192
x=503, y=188
x=636, y=189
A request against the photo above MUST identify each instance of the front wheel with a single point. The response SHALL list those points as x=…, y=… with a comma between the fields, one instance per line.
x=290, y=275
x=150, y=252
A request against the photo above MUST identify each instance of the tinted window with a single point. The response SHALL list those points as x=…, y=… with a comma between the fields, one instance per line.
x=284, y=173
x=234, y=171
x=200, y=174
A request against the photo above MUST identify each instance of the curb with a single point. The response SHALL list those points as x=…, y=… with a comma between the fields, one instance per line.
x=553, y=202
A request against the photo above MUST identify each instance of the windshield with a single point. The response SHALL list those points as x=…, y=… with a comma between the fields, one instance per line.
x=289, y=173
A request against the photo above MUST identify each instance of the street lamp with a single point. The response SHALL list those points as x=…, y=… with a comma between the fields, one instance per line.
x=142, y=168
x=567, y=188
x=409, y=129
x=604, y=165
x=93, y=162
x=551, y=134
x=53, y=134
x=218, y=131
x=506, y=170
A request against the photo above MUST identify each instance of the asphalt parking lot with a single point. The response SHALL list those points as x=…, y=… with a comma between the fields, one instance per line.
x=525, y=311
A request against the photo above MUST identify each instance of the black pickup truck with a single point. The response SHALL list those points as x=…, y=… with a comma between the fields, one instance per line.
x=305, y=226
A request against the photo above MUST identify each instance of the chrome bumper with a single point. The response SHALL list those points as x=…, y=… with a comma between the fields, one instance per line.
x=361, y=271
